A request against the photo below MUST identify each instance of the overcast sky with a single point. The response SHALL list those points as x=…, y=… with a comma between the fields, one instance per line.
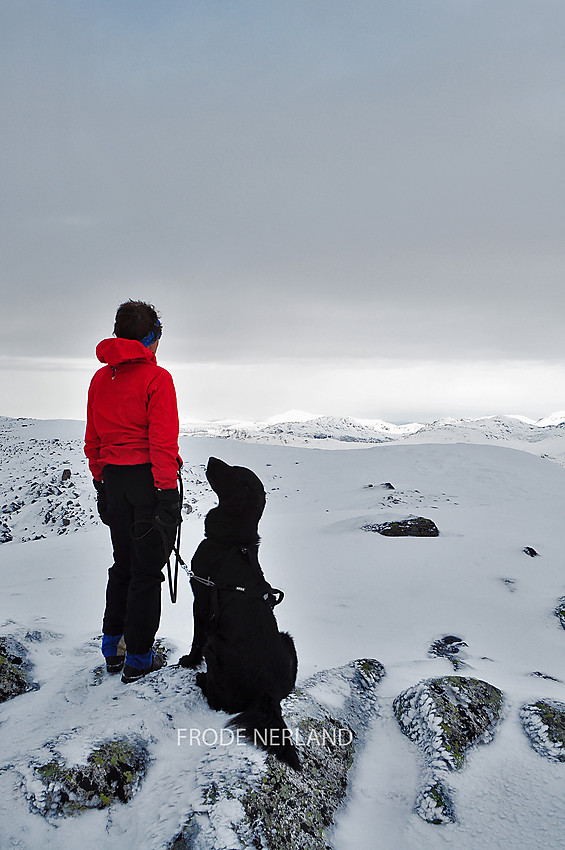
x=351, y=207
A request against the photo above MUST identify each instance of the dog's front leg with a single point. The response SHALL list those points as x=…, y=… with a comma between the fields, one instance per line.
x=201, y=682
x=194, y=657
x=201, y=618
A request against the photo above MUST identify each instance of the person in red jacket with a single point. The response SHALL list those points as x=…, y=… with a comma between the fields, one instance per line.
x=131, y=443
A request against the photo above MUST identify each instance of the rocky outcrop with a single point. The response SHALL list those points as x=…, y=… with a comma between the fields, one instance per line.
x=413, y=527
x=445, y=717
x=544, y=724
x=113, y=771
x=266, y=805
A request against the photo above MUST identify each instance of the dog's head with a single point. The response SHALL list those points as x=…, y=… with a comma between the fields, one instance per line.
x=241, y=498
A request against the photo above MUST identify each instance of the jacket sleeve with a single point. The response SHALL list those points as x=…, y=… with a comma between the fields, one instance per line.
x=92, y=438
x=163, y=420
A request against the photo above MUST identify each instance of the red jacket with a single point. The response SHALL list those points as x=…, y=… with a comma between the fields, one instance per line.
x=132, y=413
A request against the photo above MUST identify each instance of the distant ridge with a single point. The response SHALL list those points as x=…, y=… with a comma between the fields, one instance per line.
x=299, y=428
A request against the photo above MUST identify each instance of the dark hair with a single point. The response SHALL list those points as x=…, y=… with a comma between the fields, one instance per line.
x=135, y=320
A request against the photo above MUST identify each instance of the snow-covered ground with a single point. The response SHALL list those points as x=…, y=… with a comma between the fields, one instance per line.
x=491, y=489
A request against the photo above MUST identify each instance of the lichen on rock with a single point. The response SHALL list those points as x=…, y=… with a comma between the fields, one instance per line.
x=544, y=724
x=445, y=717
x=270, y=806
x=434, y=804
x=113, y=772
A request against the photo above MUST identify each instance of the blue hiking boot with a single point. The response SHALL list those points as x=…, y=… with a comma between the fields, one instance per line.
x=138, y=666
x=114, y=651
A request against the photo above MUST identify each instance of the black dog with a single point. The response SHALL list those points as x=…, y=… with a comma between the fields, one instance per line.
x=251, y=666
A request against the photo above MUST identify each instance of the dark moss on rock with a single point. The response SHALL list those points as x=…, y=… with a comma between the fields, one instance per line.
x=113, y=772
x=296, y=810
x=446, y=717
x=544, y=724
x=293, y=809
x=413, y=527
x=434, y=804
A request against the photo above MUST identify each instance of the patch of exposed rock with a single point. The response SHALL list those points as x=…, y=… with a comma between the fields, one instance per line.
x=451, y=647
x=113, y=771
x=445, y=717
x=544, y=724
x=262, y=803
x=560, y=611
x=15, y=669
x=413, y=527
x=6, y=535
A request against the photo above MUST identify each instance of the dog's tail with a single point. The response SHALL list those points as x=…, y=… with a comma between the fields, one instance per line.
x=262, y=724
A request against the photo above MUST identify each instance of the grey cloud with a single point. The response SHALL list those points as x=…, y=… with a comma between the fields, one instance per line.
x=316, y=179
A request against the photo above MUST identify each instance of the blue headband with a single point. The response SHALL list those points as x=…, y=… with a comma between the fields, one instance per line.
x=152, y=336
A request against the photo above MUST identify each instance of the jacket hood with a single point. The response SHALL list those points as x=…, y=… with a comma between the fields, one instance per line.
x=115, y=351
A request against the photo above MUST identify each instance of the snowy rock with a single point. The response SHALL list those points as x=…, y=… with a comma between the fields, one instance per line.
x=267, y=805
x=14, y=669
x=544, y=724
x=449, y=646
x=540, y=675
x=560, y=611
x=434, y=804
x=529, y=550
x=446, y=717
x=5, y=534
x=113, y=771
x=412, y=527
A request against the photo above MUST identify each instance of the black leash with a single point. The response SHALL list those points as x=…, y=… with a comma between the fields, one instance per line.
x=173, y=583
x=276, y=594
x=161, y=527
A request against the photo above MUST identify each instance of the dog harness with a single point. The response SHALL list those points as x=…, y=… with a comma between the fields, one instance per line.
x=250, y=591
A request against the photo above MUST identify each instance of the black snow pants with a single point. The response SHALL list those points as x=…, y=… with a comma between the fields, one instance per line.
x=133, y=593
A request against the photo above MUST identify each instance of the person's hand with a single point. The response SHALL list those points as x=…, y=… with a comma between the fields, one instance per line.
x=101, y=500
x=168, y=510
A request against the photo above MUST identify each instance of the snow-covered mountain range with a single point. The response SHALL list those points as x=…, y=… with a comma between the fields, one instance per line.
x=296, y=428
